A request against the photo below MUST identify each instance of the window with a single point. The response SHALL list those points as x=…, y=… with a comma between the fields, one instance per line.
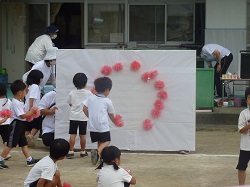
x=106, y=23
x=147, y=24
x=180, y=22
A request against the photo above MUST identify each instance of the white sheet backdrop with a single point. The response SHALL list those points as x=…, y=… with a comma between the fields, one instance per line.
x=133, y=99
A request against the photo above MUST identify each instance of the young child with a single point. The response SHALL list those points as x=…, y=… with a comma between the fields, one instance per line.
x=45, y=172
x=99, y=109
x=244, y=129
x=4, y=122
x=32, y=99
x=110, y=173
x=77, y=118
x=17, y=134
x=48, y=108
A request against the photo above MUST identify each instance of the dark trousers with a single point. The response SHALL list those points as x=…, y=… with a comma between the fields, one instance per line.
x=225, y=63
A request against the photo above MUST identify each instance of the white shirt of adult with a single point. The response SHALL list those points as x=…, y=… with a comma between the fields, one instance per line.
x=75, y=99
x=48, y=124
x=18, y=109
x=45, y=169
x=109, y=177
x=207, y=52
x=38, y=48
x=48, y=73
x=34, y=92
x=99, y=107
x=243, y=121
x=5, y=104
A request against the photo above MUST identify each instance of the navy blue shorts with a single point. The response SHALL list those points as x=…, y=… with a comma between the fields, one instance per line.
x=243, y=160
x=34, y=124
x=17, y=134
x=73, y=126
x=100, y=136
x=5, y=132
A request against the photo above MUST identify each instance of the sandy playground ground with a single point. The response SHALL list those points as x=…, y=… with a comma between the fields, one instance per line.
x=212, y=164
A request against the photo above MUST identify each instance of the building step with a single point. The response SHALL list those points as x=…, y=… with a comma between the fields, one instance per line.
x=219, y=116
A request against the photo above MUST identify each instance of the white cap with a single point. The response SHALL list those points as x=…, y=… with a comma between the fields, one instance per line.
x=51, y=53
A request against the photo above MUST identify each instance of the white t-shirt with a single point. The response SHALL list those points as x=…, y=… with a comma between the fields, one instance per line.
x=18, y=109
x=38, y=48
x=5, y=104
x=48, y=73
x=207, y=52
x=45, y=169
x=109, y=177
x=34, y=92
x=47, y=100
x=99, y=107
x=243, y=121
x=75, y=99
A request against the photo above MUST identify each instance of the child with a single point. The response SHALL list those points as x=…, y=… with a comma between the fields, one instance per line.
x=111, y=174
x=77, y=117
x=32, y=99
x=48, y=108
x=17, y=134
x=4, y=122
x=45, y=172
x=99, y=108
x=244, y=129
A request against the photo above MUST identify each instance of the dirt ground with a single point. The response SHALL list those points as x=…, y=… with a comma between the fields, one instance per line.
x=212, y=164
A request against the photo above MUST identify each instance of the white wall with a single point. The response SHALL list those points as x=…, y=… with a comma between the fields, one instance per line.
x=13, y=39
x=226, y=13
x=226, y=23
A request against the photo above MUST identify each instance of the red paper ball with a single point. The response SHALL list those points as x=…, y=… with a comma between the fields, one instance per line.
x=135, y=65
x=145, y=77
x=106, y=70
x=153, y=74
x=118, y=66
x=5, y=113
x=37, y=113
x=66, y=184
x=118, y=121
x=29, y=119
x=155, y=113
x=159, y=85
x=159, y=105
x=147, y=124
x=162, y=94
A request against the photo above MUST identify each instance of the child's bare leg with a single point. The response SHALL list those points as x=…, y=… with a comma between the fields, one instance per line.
x=5, y=151
x=101, y=146
x=25, y=151
x=33, y=131
x=83, y=142
x=241, y=177
x=72, y=140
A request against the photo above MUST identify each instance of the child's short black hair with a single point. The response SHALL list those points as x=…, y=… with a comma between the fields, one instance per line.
x=16, y=86
x=102, y=84
x=109, y=154
x=80, y=80
x=59, y=148
x=3, y=90
x=34, y=77
x=247, y=92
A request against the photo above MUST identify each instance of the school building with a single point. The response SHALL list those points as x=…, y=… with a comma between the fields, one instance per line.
x=128, y=24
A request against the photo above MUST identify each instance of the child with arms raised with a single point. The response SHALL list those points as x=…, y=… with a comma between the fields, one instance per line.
x=99, y=109
x=45, y=173
x=18, y=124
x=110, y=174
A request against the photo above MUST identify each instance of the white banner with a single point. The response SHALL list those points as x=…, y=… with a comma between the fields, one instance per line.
x=133, y=98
